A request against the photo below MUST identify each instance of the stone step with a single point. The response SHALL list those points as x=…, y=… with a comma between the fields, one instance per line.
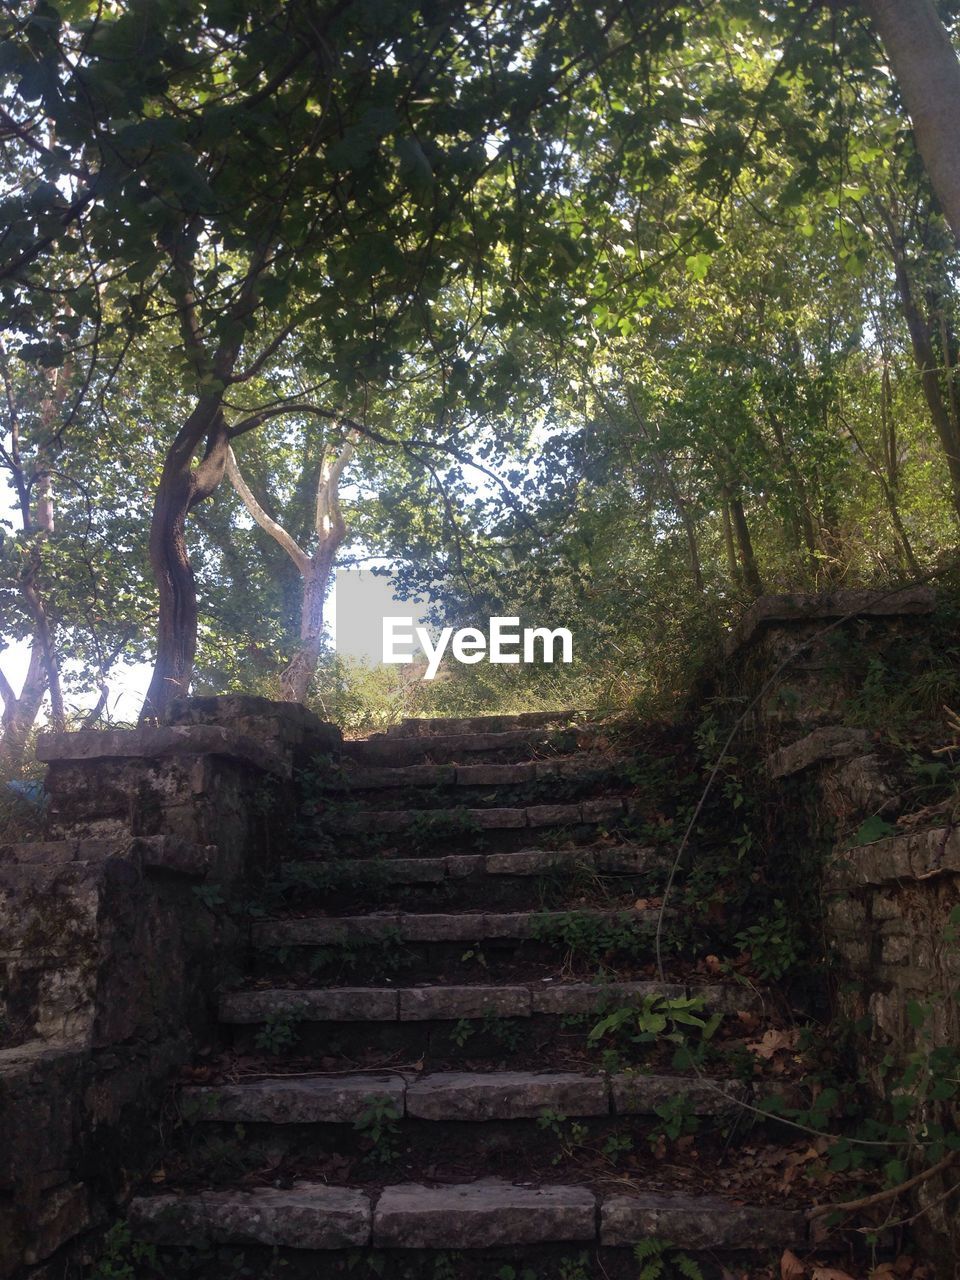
x=461, y=822
x=521, y=773
x=487, y=1213
x=627, y=860
x=416, y=726
x=454, y=1096
x=451, y=1003
x=461, y=926
x=440, y=748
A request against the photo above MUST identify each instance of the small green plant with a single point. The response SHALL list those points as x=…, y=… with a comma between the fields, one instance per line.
x=677, y=1119
x=506, y=1032
x=661, y=1260
x=617, y=1145
x=122, y=1257
x=429, y=829
x=575, y=1268
x=672, y=1018
x=279, y=1032
x=379, y=1124
x=773, y=943
x=461, y=1032
x=571, y=1135
x=211, y=895
x=508, y=1272
x=446, y=1266
x=591, y=941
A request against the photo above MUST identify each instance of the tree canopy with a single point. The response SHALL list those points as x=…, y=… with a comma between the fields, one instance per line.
x=629, y=312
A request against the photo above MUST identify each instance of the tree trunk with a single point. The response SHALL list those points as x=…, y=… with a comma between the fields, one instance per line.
x=182, y=486
x=296, y=680
x=20, y=712
x=330, y=529
x=927, y=363
x=927, y=70
x=748, y=562
x=733, y=566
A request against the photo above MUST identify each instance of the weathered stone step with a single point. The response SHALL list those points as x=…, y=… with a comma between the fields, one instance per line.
x=483, y=1214
x=461, y=822
x=512, y=744
x=451, y=1003
x=455, y=1095
x=625, y=860
x=519, y=773
x=462, y=926
x=416, y=726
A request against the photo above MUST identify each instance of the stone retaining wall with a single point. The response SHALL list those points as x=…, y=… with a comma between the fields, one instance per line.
x=110, y=959
x=887, y=904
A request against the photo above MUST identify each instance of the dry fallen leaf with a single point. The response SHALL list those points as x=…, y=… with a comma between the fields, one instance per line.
x=791, y=1268
x=772, y=1042
x=829, y=1273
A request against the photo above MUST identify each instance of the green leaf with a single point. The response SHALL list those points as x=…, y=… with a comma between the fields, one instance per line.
x=875, y=828
x=698, y=264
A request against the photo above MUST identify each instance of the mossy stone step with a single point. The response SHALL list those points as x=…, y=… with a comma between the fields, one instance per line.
x=474, y=1215
x=460, y=926
x=461, y=822
x=442, y=748
x=603, y=860
x=454, y=1096
x=446, y=1003
x=352, y=778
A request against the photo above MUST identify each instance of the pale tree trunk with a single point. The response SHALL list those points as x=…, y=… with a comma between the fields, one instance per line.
x=927, y=71
x=20, y=711
x=330, y=529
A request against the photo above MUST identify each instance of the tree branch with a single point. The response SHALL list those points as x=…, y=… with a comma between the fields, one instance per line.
x=266, y=523
x=891, y=1193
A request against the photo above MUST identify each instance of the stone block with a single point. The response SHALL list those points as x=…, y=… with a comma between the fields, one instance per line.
x=480, y=1215
x=829, y=742
x=165, y=740
x=324, y=930
x=464, y=926
x=421, y=1004
x=534, y=862
x=510, y=924
x=505, y=1095
x=574, y=997
x=773, y=610
x=461, y=865
x=604, y=810
x=493, y=819
x=311, y=1215
x=699, y=1222
x=337, y=1100
x=637, y=1094
x=552, y=815
x=496, y=775
x=335, y=1004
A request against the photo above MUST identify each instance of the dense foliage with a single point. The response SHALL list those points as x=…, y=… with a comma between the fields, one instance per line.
x=632, y=312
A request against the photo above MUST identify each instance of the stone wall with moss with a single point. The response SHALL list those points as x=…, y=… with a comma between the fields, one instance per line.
x=111, y=958
x=833, y=690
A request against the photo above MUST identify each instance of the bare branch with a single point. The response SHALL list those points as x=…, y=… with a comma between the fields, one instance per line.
x=266, y=523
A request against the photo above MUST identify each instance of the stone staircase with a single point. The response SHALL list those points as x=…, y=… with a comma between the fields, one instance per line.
x=412, y=1075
